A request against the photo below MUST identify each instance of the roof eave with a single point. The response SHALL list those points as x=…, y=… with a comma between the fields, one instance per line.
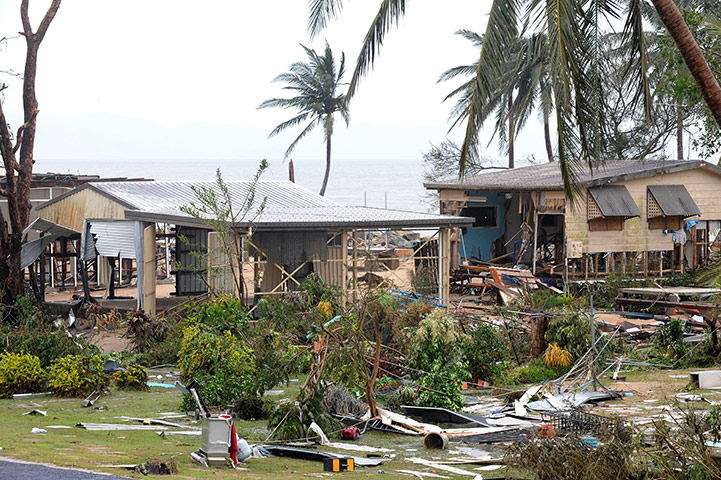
x=449, y=222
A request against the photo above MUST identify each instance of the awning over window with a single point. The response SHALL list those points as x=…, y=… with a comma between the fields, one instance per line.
x=614, y=201
x=674, y=200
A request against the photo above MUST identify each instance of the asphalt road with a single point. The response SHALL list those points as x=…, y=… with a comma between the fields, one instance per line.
x=14, y=470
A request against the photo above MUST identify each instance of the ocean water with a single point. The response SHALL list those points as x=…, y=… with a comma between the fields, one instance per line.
x=395, y=184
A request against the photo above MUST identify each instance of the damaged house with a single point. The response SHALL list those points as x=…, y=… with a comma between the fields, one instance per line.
x=649, y=217
x=130, y=229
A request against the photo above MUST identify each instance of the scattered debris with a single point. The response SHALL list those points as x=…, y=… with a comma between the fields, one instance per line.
x=704, y=380
x=26, y=396
x=36, y=412
x=91, y=399
x=421, y=475
x=156, y=467
x=435, y=441
x=38, y=430
x=119, y=426
x=317, y=455
x=442, y=415
x=448, y=468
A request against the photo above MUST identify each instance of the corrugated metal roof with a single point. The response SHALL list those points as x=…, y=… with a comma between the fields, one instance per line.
x=674, y=200
x=548, y=175
x=49, y=228
x=614, y=201
x=287, y=206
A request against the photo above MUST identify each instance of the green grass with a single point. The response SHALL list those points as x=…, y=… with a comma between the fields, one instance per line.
x=95, y=450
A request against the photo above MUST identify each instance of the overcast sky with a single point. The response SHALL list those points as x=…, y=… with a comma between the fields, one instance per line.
x=156, y=79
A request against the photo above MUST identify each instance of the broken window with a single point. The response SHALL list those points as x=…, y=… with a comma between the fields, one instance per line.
x=486, y=216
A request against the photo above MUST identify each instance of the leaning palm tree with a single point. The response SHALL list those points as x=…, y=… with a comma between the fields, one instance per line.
x=574, y=31
x=316, y=83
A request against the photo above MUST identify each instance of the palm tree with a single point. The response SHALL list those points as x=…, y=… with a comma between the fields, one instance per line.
x=525, y=74
x=316, y=83
x=573, y=31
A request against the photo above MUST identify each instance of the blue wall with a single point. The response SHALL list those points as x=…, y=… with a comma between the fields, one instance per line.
x=478, y=240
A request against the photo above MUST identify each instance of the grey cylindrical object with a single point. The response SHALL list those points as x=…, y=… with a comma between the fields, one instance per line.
x=435, y=441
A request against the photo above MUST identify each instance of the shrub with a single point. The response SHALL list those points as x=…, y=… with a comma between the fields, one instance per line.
x=555, y=356
x=436, y=359
x=20, y=373
x=337, y=401
x=76, y=375
x=221, y=388
x=252, y=408
x=220, y=363
x=317, y=290
x=572, y=333
x=46, y=344
x=406, y=395
x=438, y=390
x=203, y=351
x=224, y=313
x=534, y=372
x=436, y=346
x=134, y=377
x=485, y=351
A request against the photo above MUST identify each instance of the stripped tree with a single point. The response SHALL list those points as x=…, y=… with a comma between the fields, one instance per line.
x=17, y=157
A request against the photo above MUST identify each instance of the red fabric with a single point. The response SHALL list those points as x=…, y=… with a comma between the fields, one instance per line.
x=233, y=448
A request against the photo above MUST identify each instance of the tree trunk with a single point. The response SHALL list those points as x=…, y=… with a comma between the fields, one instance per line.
x=19, y=171
x=547, y=135
x=371, y=385
x=327, y=161
x=511, y=160
x=692, y=55
x=679, y=132
x=539, y=326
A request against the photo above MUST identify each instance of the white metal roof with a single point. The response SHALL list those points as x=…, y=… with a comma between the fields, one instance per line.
x=288, y=206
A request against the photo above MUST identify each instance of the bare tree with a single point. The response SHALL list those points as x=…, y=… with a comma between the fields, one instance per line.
x=17, y=157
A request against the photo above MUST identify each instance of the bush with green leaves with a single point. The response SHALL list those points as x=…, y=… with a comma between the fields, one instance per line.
x=436, y=359
x=221, y=363
x=534, y=372
x=77, y=375
x=486, y=350
x=439, y=390
x=33, y=331
x=20, y=373
x=134, y=377
x=572, y=333
x=224, y=313
x=48, y=344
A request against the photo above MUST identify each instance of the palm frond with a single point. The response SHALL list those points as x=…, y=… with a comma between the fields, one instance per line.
x=320, y=12
x=638, y=64
x=309, y=128
x=289, y=123
x=501, y=31
x=389, y=12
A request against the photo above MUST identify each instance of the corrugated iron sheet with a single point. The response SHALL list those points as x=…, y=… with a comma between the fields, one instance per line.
x=288, y=206
x=615, y=201
x=114, y=238
x=674, y=200
x=292, y=247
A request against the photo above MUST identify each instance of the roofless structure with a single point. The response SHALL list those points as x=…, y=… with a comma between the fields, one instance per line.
x=646, y=217
x=297, y=233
